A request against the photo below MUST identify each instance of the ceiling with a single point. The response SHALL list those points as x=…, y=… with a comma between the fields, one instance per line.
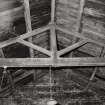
x=86, y=19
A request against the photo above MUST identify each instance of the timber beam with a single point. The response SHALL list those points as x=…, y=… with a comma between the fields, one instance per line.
x=60, y=62
x=72, y=47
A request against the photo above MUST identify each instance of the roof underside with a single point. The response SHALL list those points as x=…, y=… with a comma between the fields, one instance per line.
x=77, y=22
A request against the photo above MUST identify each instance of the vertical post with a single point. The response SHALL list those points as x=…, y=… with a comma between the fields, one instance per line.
x=53, y=37
x=52, y=11
x=28, y=23
x=34, y=79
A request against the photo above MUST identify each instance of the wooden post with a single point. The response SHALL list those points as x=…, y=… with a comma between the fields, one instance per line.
x=52, y=11
x=53, y=37
x=53, y=42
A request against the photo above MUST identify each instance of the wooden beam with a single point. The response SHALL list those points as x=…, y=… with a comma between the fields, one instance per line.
x=80, y=14
x=53, y=37
x=8, y=42
x=52, y=11
x=28, y=23
x=35, y=47
x=24, y=36
x=46, y=62
x=25, y=62
x=72, y=47
x=27, y=15
x=79, y=35
x=85, y=61
x=53, y=42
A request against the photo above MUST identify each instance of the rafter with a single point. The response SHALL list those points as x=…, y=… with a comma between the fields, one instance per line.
x=80, y=14
x=53, y=42
x=27, y=16
x=24, y=36
x=53, y=37
x=84, y=61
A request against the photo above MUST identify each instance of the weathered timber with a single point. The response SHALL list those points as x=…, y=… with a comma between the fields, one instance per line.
x=27, y=16
x=72, y=47
x=45, y=62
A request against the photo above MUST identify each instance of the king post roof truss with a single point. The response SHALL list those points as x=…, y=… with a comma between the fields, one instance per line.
x=54, y=59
